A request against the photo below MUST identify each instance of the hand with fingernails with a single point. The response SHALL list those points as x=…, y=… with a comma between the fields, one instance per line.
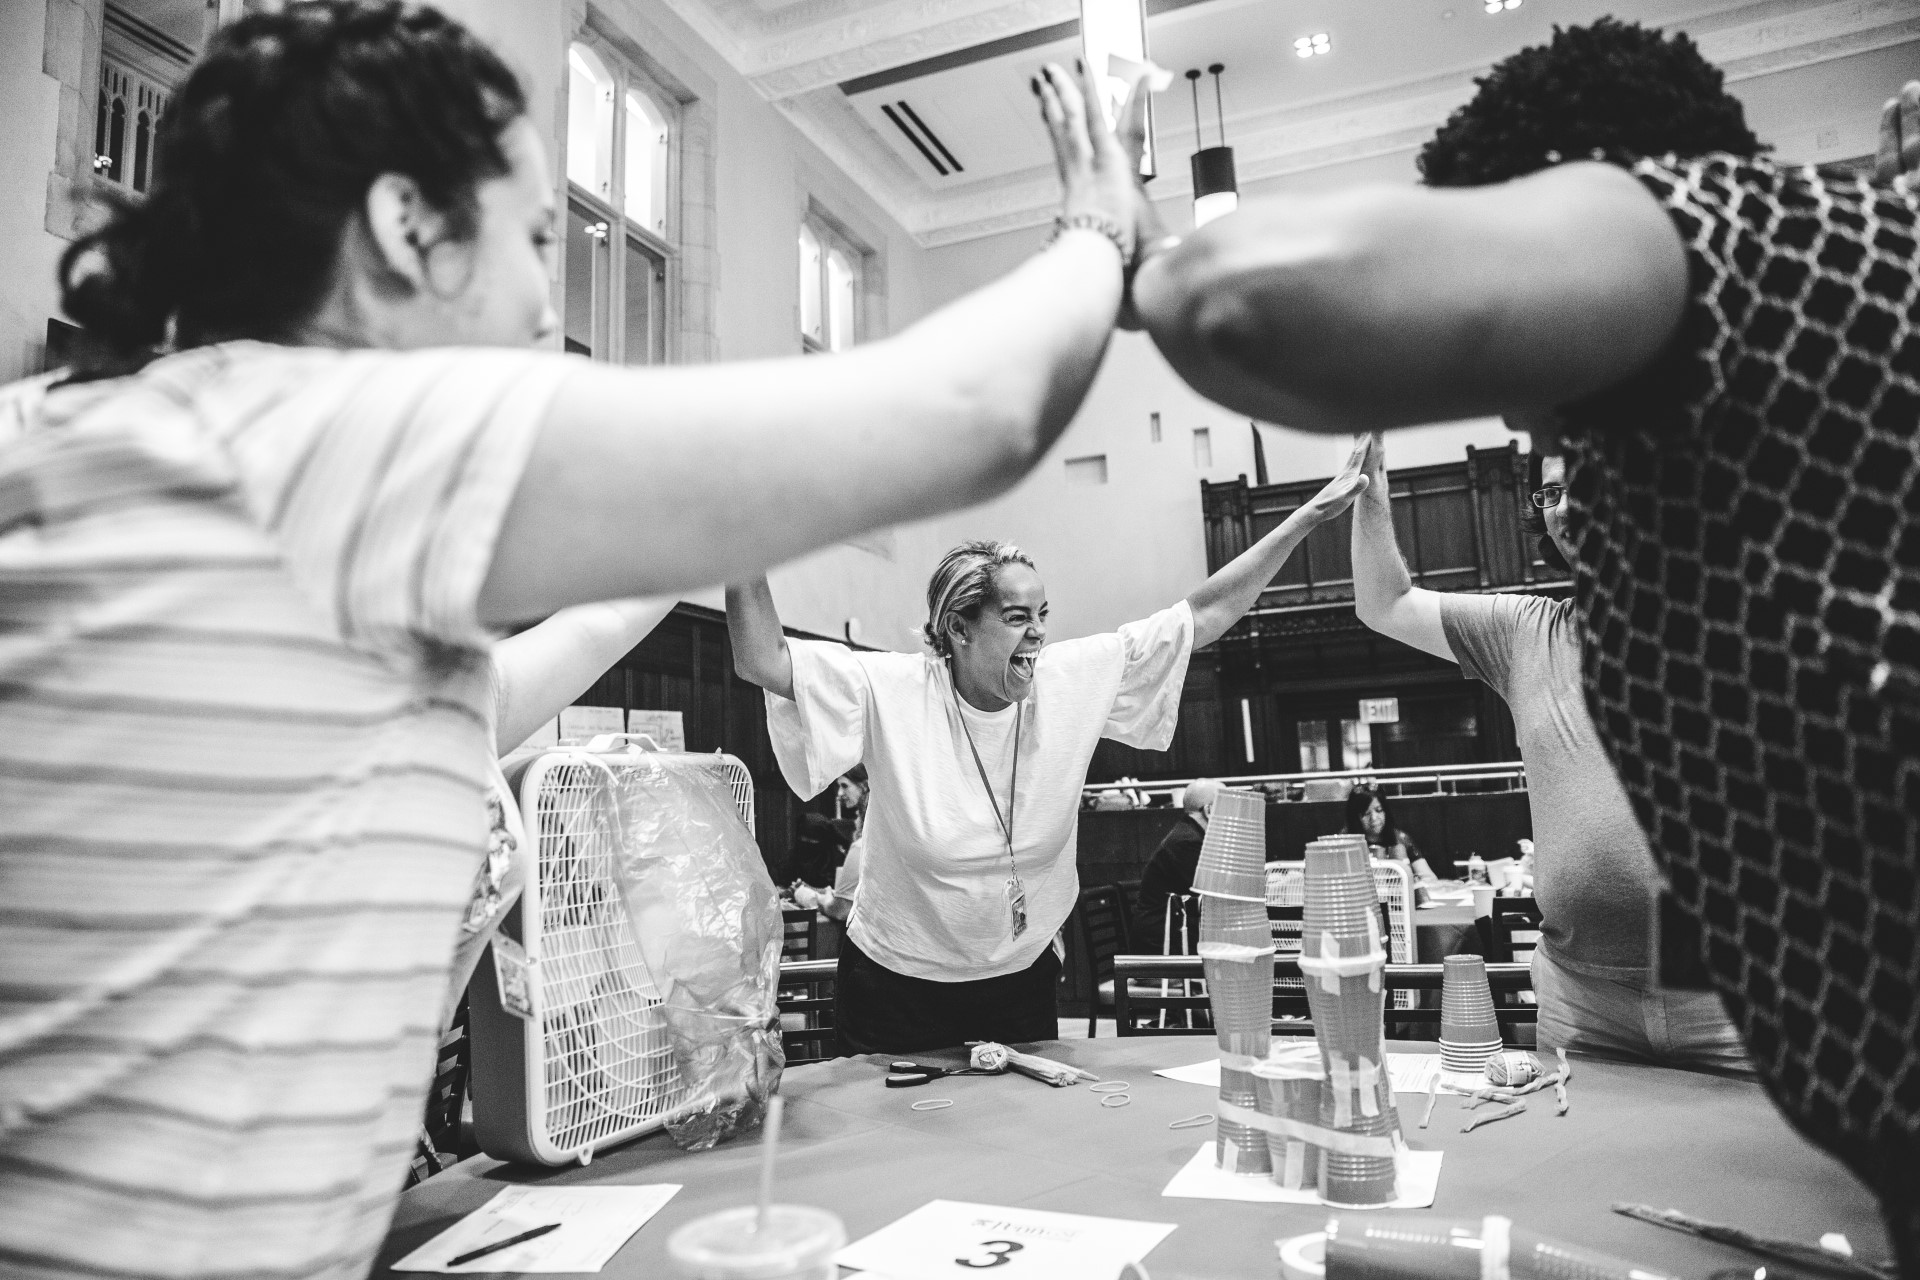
x=1097, y=165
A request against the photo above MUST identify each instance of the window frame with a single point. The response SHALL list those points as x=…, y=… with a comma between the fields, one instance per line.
x=611, y=277
x=832, y=239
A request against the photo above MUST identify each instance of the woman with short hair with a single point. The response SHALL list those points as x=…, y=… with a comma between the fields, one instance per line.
x=976, y=751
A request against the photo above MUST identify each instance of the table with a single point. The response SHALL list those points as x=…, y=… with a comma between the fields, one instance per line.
x=1442, y=931
x=1706, y=1144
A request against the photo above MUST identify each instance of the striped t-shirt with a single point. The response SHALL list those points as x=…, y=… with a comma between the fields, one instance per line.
x=243, y=757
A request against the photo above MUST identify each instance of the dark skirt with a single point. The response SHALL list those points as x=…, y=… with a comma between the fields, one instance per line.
x=876, y=1010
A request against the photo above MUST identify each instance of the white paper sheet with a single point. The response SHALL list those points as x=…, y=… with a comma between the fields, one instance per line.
x=1410, y=1073
x=596, y=1222
x=1419, y=1174
x=948, y=1239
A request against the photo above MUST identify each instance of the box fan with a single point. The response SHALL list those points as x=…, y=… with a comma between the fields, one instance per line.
x=593, y=1067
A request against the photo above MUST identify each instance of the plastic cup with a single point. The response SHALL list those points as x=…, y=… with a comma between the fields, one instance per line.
x=1360, y=1182
x=1290, y=1084
x=1240, y=1148
x=1483, y=895
x=1402, y=1247
x=799, y=1244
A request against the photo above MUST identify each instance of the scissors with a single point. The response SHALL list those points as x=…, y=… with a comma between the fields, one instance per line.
x=908, y=1075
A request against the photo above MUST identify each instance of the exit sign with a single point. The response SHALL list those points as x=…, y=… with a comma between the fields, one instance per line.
x=1379, y=711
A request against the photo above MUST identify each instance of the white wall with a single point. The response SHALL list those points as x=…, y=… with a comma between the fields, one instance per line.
x=30, y=109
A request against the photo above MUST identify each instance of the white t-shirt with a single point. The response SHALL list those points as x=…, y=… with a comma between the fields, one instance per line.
x=244, y=763
x=933, y=885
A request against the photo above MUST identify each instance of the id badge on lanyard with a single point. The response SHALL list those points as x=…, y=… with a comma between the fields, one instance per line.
x=1017, y=904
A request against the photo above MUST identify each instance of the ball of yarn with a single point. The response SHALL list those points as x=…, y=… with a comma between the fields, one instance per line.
x=990, y=1057
x=1510, y=1070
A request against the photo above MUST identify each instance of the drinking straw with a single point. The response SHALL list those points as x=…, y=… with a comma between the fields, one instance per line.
x=1433, y=1096
x=769, y=1147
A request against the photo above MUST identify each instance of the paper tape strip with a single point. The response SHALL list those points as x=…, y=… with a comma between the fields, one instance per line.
x=1229, y=897
x=1345, y=1144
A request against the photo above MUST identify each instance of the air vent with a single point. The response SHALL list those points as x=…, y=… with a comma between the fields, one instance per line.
x=924, y=140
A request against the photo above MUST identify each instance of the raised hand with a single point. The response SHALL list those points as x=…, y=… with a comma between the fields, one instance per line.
x=1353, y=480
x=1095, y=169
x=1897, y=159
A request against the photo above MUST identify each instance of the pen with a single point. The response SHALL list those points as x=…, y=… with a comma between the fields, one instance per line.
x=498, y=1245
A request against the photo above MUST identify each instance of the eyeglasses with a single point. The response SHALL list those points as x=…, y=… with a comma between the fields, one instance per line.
x=1549, y=496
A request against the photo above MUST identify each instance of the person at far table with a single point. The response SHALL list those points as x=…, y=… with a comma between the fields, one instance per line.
x=1369, y=816
x=1168, y=877
x=826, y=859
x=1594, y=877
x=978, y=750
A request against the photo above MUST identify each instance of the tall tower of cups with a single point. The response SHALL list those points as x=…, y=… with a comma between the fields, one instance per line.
x=1236, y=951
x=1342, y=960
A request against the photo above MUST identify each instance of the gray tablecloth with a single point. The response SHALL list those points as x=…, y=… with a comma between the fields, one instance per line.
x=1711, y=1146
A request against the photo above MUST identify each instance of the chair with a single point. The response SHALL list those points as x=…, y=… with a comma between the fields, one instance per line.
x=1131, y=1001
x=800, y=936
x=1129, y=895
x=1150, y=988
x=1104, y=933
x=440, y=1144
x=1516, y=929
x=805, y=999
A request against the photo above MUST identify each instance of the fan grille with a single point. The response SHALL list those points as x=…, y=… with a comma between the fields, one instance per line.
x=608, y=1068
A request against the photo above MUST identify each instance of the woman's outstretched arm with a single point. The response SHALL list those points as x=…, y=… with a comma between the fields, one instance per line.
x=543, y=669
x=1392, y=306
x=644, y=482
x=1224, y=598
x=760, y=653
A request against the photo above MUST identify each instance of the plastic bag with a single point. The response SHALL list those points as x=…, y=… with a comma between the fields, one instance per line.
x=707, y=920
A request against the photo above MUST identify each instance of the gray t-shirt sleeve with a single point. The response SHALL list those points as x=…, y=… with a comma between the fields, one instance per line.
x=1480, y=631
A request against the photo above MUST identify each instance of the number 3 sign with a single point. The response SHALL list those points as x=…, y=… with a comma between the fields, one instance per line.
x=1002, y=1251
x=946, y=1240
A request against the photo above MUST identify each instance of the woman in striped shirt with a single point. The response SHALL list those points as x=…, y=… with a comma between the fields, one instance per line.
x=247, y=590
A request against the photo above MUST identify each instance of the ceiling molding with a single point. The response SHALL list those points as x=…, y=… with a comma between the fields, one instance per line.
x=796, y=54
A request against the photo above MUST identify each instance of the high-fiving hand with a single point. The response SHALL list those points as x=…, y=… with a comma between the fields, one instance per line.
x=1897, y=159
x=1354, y=479
x=1097, y=165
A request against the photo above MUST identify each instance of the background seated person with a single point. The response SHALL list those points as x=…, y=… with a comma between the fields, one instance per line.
x=1169, y=875
x=825, y=863
x=1368, y=815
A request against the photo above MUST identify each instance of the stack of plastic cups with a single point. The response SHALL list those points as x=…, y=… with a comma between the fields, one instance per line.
x=1469, y=1032
x=1236, y=952
x=1290, y=1083
x=1342, y=957
x=1404, y=1247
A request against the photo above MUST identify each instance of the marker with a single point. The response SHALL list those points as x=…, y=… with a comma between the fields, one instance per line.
x=498, y=1245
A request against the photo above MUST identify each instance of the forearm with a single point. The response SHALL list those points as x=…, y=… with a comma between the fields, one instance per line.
x=543, y=669
x=945, y=414
x=760, y=652
x=1380, y=577
x=1224, y=598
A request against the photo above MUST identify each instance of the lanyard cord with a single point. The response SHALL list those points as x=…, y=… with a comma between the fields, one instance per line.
x=1013, y=783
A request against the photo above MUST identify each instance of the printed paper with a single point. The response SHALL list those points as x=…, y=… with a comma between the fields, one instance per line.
x=1419, y=1179
x=949, y=1239
x=595, y=1222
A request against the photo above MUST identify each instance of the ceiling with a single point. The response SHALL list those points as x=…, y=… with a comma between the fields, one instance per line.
x=183, y=21
x=841, y=70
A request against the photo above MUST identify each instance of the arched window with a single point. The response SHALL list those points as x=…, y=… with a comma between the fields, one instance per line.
x=142, y=140
x=619, y=208
x=590, y=91
x=117, y=140
x=645, y=179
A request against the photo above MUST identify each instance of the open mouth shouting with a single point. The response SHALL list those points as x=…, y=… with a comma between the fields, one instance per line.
x=1022, y=664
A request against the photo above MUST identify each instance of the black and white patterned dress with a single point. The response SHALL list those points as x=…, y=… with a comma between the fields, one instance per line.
x=1748, y=522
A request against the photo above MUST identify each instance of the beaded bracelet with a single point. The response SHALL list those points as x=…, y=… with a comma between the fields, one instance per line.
x=1100, y=222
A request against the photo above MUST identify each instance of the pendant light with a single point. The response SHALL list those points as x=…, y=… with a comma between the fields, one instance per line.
x=1215, y=190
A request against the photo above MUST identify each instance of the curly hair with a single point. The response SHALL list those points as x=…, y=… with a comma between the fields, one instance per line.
x=266, y=154
x=960, y=584
x=1614, y=91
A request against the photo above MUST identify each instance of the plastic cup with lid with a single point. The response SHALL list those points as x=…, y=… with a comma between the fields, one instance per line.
x=799, y=1243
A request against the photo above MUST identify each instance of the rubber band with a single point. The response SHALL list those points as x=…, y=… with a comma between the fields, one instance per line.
x=1116, y=1099
x=1109, y=1086
x=1344, y=1144
x=1191, y=1122
x=1230, y=897
x=933, y=1104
